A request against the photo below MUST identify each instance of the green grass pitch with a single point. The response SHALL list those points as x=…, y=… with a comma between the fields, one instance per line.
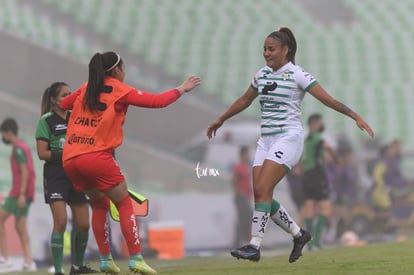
x=385, y=258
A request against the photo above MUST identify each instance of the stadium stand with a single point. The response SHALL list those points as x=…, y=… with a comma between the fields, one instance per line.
x=365, y=61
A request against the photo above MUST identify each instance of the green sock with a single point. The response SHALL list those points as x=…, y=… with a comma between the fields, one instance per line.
x=81, y=242
x=56, y=242
x=320, y=226
x=309, y=225
x=275, y=205
x=262, y=206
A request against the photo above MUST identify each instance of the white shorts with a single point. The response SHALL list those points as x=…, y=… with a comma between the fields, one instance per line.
x=285, y=149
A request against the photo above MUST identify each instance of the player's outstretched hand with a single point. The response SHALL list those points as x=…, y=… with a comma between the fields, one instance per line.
x=213, y=127
x=364, y=126
x=189, y=84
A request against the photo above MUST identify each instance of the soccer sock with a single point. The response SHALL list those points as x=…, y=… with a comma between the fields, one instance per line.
x=81, y=242
x=129, y=225
x=261, y=215
x=282, y=218
x=56, y=242
x=100, y=225
x=320, y=226
x=275, y=205
x=309, y=225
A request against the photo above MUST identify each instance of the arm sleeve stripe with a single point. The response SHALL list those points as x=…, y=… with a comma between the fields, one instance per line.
x=313, y=84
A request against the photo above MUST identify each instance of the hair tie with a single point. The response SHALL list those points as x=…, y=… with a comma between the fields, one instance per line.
x=118, y=58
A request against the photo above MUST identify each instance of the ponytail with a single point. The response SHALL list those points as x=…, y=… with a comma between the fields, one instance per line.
x=285, y=36
x=101, y=65
x=291, y=43
x=46, y=104
x=50, y=92
x=95, y=83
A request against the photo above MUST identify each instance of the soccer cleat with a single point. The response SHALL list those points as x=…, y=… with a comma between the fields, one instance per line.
x=29, y=267
x=109, y=267
x=137, y=265
x=298, y=245
x=247, y=252
x=86, y=269
x=5, y=263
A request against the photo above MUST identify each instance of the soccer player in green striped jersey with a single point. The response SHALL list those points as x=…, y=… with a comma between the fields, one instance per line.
x=280, y=86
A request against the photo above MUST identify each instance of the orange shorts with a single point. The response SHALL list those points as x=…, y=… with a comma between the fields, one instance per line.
x=94, y=170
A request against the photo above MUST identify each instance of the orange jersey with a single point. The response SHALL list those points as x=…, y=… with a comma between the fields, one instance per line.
x=99, y=130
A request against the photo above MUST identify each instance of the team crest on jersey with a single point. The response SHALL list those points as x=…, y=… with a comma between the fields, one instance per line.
x=286, y=75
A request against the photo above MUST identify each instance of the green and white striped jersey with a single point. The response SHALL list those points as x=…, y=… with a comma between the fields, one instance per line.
x=280, y=94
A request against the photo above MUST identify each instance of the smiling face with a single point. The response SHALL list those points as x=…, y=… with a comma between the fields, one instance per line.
x=274, y=53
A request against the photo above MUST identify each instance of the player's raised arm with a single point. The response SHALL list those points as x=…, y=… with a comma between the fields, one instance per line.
x=239, y=105
x=189, y=84
x=319, y=93
x=149, y=100
x=68, y=101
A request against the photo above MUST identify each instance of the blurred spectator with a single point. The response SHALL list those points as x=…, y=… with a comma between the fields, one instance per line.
x=243, y=194
x=345, y=184
x=380, y=194
x=393, y=176
x=342, y=177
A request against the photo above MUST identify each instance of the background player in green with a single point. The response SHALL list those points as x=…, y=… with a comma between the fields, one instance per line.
x=315, y=185
x=21, y=194
x=58, y=189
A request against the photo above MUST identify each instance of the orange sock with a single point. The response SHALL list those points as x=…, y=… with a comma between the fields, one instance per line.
x=129, y=225
x=100, y=225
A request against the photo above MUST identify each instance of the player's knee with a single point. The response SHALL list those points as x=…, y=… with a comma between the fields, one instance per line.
x=83, y=227
x=20, y=228
x=261, y=193
x=59, y=225
x=102, y=204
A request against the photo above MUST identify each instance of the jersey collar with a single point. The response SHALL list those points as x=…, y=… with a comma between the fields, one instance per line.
x=281, y=69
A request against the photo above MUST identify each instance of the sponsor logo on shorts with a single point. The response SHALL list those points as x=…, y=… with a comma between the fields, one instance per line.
x=279, y=154
x=56, y=196
x=81, y=140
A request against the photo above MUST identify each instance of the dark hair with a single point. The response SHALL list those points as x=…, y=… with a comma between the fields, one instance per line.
x=243, y=150
x=51, y=91
x=314, y=117
x=101, y=65
x=285, y=36
x=9, y=125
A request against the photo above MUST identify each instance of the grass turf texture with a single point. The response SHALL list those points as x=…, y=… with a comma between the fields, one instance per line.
x=384, y=258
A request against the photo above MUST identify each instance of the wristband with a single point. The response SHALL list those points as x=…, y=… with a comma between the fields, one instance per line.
x=56, y=156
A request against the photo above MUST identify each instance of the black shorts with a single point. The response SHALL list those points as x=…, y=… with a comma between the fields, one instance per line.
x=315, y=185
x=58, y=187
